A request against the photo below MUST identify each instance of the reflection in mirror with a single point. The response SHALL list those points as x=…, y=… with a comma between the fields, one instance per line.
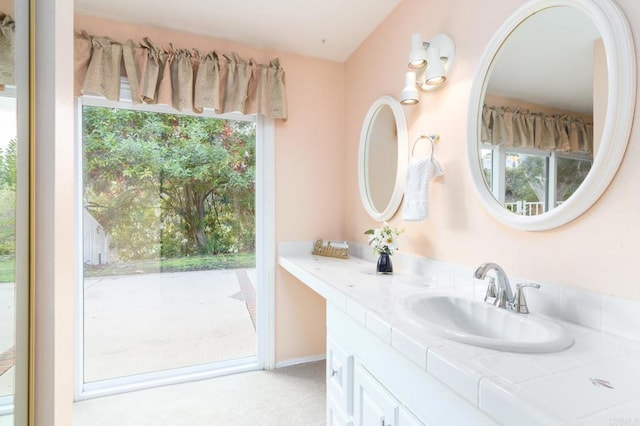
x=574, y=166
x=381, y=163
x=538, y=119
x=382, y=158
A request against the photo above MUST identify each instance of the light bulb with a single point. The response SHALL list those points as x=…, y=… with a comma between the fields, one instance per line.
x=409, y=95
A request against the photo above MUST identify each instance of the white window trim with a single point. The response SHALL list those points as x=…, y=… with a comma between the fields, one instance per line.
x=265, y=264
x=16, y=404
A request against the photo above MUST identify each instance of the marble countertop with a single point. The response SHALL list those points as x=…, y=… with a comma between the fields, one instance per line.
x=596, y=381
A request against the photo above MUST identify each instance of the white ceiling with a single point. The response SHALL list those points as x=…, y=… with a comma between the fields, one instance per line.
x=329, y=29
x=556, y=69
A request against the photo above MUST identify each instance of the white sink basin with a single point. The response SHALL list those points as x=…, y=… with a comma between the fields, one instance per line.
x=481, y=324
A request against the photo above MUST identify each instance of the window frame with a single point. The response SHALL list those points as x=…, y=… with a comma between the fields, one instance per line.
x=497, y=186
x=265, y=261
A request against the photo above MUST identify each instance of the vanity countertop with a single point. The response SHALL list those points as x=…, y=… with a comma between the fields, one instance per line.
x=594, y=382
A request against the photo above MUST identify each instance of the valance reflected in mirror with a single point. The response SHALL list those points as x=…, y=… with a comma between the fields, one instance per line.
x=537, y=124
x=543, y=145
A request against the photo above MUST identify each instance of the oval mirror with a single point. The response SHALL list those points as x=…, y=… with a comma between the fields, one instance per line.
x=382, y=158
x=551, y=110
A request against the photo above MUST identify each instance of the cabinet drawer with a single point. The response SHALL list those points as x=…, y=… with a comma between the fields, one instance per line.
x=340, y=376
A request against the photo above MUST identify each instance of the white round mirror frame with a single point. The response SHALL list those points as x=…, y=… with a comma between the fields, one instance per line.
x=402, y=141
x=621, y=69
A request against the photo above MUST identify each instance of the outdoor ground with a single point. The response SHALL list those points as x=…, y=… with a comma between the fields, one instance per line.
x=7, y=336
x=148, y=322
x=142, y=323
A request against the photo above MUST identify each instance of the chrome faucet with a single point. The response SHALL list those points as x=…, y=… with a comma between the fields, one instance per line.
x=499, y=291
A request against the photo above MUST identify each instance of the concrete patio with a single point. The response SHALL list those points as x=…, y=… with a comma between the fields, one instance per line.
x=142, y=323
x=150, y=322
x=7, y=337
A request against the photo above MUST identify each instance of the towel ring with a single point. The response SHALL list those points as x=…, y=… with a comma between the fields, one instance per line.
x=432, y=138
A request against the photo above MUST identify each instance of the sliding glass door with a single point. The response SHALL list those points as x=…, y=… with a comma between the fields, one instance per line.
x=8, y=151
x=169, y=277
x=14, y=212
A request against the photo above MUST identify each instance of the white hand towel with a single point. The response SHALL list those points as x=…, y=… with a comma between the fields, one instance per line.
x=416, y=190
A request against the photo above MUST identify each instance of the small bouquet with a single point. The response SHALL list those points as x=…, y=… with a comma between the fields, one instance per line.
x=384, y=239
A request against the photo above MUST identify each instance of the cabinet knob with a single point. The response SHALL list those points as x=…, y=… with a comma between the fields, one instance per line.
x=333, y=373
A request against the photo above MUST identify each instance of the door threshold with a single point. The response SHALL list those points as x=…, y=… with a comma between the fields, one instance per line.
x=174, y=376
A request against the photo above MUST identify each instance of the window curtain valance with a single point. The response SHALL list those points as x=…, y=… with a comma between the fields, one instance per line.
x=7, y=50
x=521, y=128
x=182, y=78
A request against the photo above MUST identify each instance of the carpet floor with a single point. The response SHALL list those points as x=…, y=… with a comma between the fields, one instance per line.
x=291, y=396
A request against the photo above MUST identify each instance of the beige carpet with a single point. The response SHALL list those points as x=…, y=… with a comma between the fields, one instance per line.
x=292, y=396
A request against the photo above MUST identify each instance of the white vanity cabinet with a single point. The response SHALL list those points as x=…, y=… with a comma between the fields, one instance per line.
x=339, y=384
x=369, y=383
x=336, y=415
x=374, y=404
x=354, y=396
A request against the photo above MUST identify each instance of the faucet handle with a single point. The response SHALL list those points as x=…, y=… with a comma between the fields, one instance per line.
x=519, y=301
x=492, y=291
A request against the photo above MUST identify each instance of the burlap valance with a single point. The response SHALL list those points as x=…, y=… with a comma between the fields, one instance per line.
x=520, y=128
x=182, y=78
x=7, y=50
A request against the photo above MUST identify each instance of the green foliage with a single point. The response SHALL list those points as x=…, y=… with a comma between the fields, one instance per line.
x=8, y=162
x=527, y=181
x=178, y=264
x=7, y=221
x=571, y=173
x=8, y=199
x=165, y=185
x=7, y=269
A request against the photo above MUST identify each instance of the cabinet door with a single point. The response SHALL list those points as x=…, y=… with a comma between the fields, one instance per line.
x=406, y=418
x=373, y=404
x=336, y=416
x=340, y=376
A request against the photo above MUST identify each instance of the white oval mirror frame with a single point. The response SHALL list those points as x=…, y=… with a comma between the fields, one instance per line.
x=395, y=198
x=620, y=58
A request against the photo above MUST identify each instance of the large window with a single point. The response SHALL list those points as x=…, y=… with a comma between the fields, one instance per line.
x=530, y=182
x=168, y=245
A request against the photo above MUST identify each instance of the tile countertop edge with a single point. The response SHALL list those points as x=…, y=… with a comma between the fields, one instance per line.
x=310, y=280
x=465, y=379
x=373, y=301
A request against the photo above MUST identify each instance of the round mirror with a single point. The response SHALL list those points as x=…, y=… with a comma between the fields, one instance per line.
x=382, y=159
x=551, y=110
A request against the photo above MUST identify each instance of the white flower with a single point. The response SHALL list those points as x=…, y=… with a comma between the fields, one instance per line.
x=383, y=239
x=390, y=241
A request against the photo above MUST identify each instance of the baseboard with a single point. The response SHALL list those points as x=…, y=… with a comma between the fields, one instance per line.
x=303, y=360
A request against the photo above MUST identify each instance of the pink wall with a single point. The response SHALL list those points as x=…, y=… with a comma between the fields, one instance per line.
x=316, y=165
x=308, y=163
x=596, y=252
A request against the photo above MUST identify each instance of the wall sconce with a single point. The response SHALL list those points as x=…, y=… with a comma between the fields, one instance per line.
x=431, y=61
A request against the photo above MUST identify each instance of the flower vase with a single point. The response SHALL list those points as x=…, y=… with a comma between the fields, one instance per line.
x=384, y=264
